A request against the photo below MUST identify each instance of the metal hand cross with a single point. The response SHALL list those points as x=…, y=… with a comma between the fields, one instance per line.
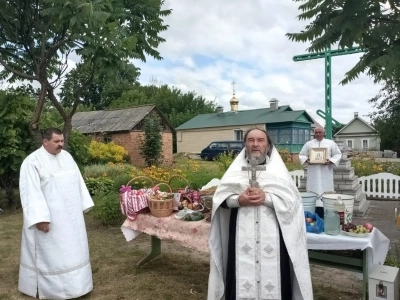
x=254, y=167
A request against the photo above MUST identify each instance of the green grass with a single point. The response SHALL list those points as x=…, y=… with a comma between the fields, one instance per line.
x=179, y=274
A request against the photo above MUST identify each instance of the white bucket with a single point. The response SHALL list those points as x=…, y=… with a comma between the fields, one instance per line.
x=329, y=202
x=309, y=200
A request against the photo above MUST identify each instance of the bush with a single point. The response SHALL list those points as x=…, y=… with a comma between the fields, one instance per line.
x=151, y=144
x=105, y=153
x=79, y=148
x=110, y=170
x=100, y=185
x=224, y=160
x=107, y=209
x=285, y=155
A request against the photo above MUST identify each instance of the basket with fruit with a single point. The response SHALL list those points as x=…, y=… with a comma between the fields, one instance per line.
x=161, y=203
x=357, y=230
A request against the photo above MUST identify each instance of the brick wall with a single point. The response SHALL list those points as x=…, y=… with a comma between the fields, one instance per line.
x=131, y=142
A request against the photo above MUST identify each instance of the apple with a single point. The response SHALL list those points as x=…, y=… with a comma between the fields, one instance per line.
x=368, y=226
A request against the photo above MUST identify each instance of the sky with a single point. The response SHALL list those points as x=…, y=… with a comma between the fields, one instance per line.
x=209, y=44
x=212, y=43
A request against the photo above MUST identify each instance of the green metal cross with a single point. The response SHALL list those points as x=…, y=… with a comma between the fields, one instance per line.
x=328, y=78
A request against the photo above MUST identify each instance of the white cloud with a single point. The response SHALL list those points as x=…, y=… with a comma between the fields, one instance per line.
x=245, y=41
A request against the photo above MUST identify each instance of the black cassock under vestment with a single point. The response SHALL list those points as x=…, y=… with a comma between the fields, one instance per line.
x=230, y=281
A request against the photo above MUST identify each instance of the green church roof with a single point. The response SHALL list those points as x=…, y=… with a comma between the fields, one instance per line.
x=247, y=117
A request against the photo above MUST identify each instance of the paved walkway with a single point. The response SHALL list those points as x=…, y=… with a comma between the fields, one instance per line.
x=381, y=215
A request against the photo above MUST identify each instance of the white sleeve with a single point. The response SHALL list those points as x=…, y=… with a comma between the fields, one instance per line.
x=233, y=201
x=34, y=204
x=336, y=154
x=304, y=153
x=268, y=201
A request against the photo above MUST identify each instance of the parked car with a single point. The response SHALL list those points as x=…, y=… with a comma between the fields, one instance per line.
x=218, y=147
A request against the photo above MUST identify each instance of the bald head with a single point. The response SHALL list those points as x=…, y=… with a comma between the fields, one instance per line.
x=319, y=133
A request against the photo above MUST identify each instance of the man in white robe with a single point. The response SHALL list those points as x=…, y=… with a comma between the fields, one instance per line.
x=54, y=252
x=320, y=176
x=258, y=242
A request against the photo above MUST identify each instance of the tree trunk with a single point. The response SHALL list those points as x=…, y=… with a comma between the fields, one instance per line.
x=10, y=195
x=34, y=124
x=67, y=131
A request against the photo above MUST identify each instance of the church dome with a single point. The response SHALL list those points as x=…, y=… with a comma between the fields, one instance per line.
x=234, y=100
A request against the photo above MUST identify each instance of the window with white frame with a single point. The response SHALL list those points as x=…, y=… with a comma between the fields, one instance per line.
x=350, y=143
x=365, y=143
x=238, y=135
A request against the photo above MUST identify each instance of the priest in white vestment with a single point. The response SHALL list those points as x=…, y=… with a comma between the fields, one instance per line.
x=258, y=242
x=54, y=252
x=320, y=176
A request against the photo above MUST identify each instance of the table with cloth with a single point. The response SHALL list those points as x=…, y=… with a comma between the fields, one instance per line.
x=356, y=254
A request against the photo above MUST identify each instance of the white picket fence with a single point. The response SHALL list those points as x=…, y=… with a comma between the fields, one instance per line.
x=297, y=175
x=381, y=185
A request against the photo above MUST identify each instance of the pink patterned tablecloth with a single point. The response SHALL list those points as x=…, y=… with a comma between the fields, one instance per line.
x=193, y=234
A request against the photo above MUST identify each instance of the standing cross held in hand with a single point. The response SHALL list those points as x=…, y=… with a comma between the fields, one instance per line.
x=254, y=167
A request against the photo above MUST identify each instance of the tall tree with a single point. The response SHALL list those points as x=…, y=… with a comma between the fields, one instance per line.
x=37, y=37
x=386, y=116
x=177, y=106
x=151, y=144
x=103, y=89
x=371, y=24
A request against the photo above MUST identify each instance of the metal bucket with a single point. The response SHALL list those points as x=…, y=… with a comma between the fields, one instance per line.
x=348, y=200
x=309, y=199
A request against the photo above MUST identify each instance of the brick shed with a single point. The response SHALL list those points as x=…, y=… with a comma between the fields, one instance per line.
x=124, y=127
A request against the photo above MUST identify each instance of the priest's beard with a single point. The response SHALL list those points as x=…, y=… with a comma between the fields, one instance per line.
x=257, y=160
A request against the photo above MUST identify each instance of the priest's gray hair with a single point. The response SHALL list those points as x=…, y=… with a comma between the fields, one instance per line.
x=262, y=159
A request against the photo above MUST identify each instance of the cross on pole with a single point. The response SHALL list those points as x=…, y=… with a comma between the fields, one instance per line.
x=328, y=78
x=254, y=167
x=233, y=84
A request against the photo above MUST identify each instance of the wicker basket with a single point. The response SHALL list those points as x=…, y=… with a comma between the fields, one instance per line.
x=145, y=177
x=179, y=190
x=161, y=208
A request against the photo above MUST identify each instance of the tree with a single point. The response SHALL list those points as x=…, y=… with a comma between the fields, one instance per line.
x=15, y=141
x=151, y=145
x=336, y=129
x=37, y=37
x=104, y=89
x=371, y=24
x=386, y=117
x=177, y=107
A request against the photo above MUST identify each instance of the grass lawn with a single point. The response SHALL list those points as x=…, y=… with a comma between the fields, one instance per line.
x=179, y=274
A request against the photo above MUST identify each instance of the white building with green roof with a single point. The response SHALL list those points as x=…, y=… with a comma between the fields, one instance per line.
x=288, y=128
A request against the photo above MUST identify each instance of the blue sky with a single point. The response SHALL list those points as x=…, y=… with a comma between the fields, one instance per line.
x=211, y=43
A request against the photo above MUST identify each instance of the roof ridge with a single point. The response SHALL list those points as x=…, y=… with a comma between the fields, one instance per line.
x=129, y=107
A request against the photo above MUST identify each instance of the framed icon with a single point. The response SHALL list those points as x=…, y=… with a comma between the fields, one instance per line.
x=381, y=291
x=318, y=155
